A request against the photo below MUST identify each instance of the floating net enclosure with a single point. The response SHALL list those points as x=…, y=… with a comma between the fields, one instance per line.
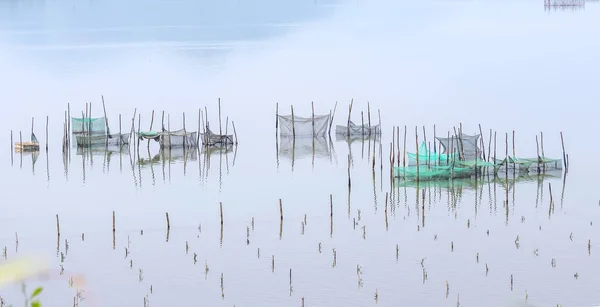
x=178, y=138
x=465, y=146
x=211, y=139
x=88, y=125
x=357, y=130
x=303, y=126
x=97, y=140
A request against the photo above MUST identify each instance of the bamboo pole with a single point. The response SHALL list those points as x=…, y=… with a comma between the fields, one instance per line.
x=538, y=153
x=31, y=127
x=168, y=221
x=542, y=143
x=293, y=124
x=489, y=146
x=280, y=210
x=120, y=132
x=562, y=141
x=21, y=141
x=151, y=124
x=199, y=126
x=362, y=121
x=349, y=180
x=417, y=144
x=349, y=115
x=404, y=149
x=185, y=133
x=330, y=215
x=221, y=212
x=312, y=104
x=11, y=142
x=276, y=117
x=495, y=146
x=398, y=145
x=234, y=133
x=369, y=116
x=69, y=119
x=482, y=144
x=105, y=117
x=332, y=117
x=220, y=129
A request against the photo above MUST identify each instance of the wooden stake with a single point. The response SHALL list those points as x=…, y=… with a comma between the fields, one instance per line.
x=234, y=133
x=349, y=114
x=404, y=149
x=57, y=226
x=362, y=120
x=349, y=180
x=280, y=209
x=332, y=116
x=168, y=221
x=312, y=104
x=293, y=125
x=276, y=117
x=69, y=120
x=220, y=130
x=151, y=124
x=398, y=144
x=113, y=221
x=11, y=142
x=47, y=119
x=221, y=212
x=482, y=144
x=417, y=144
x=562, y=141
x=369, y=116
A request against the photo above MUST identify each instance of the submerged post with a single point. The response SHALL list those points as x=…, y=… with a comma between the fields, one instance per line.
x=280, y=210
x=221, y=212
x=47, y=119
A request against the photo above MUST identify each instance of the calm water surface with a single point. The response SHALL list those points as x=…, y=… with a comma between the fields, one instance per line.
x=507, y=65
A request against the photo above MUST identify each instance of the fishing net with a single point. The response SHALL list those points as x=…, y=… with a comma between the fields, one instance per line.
x=429, y=158
x=211, y=139
x=466, y=146
x=95, y=140
x=178, y=138
x=88, y=125
x=357, y=130
x=303, y=126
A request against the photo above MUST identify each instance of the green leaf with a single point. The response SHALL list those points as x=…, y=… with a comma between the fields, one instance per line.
x=37, y=292
x=36, y=304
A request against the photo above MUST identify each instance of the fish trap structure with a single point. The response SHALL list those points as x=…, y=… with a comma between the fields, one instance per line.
x=31, y=146
x=172, y=139
x=460, y=156
x=293, y=125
